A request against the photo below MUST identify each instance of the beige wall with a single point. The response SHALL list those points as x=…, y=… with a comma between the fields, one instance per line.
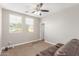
x=0, y=27
x=63, y=26
x=22, y=37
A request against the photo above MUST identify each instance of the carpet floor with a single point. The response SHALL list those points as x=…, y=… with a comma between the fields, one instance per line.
x=30, y=49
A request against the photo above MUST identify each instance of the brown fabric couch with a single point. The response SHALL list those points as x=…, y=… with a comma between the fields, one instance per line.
x=69, y=49
x=50, y=51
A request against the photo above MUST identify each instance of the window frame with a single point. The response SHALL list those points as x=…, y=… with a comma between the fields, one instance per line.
x=9, y=23
x=26, y=18
x=23, y=19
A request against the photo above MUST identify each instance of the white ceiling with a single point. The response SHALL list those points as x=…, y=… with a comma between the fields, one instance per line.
x=22, y=7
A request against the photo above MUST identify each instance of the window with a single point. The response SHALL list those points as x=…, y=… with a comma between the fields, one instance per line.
x=15, y=23
x=30, y=24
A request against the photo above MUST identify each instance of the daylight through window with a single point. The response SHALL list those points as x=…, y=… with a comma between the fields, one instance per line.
x=30, y=24
x=15, y=23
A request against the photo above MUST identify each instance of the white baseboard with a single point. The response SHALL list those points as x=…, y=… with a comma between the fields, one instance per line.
x=50, y=42
x=25, y=42
x=20, y=44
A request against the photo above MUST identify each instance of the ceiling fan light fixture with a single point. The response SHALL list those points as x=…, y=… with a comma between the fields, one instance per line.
x=37, y=12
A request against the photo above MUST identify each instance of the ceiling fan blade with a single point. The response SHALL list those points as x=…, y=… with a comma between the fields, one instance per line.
x=45, y=10
x=33, y=12
x=40, y=5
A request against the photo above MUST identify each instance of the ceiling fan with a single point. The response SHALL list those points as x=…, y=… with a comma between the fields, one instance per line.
x=38, y=9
